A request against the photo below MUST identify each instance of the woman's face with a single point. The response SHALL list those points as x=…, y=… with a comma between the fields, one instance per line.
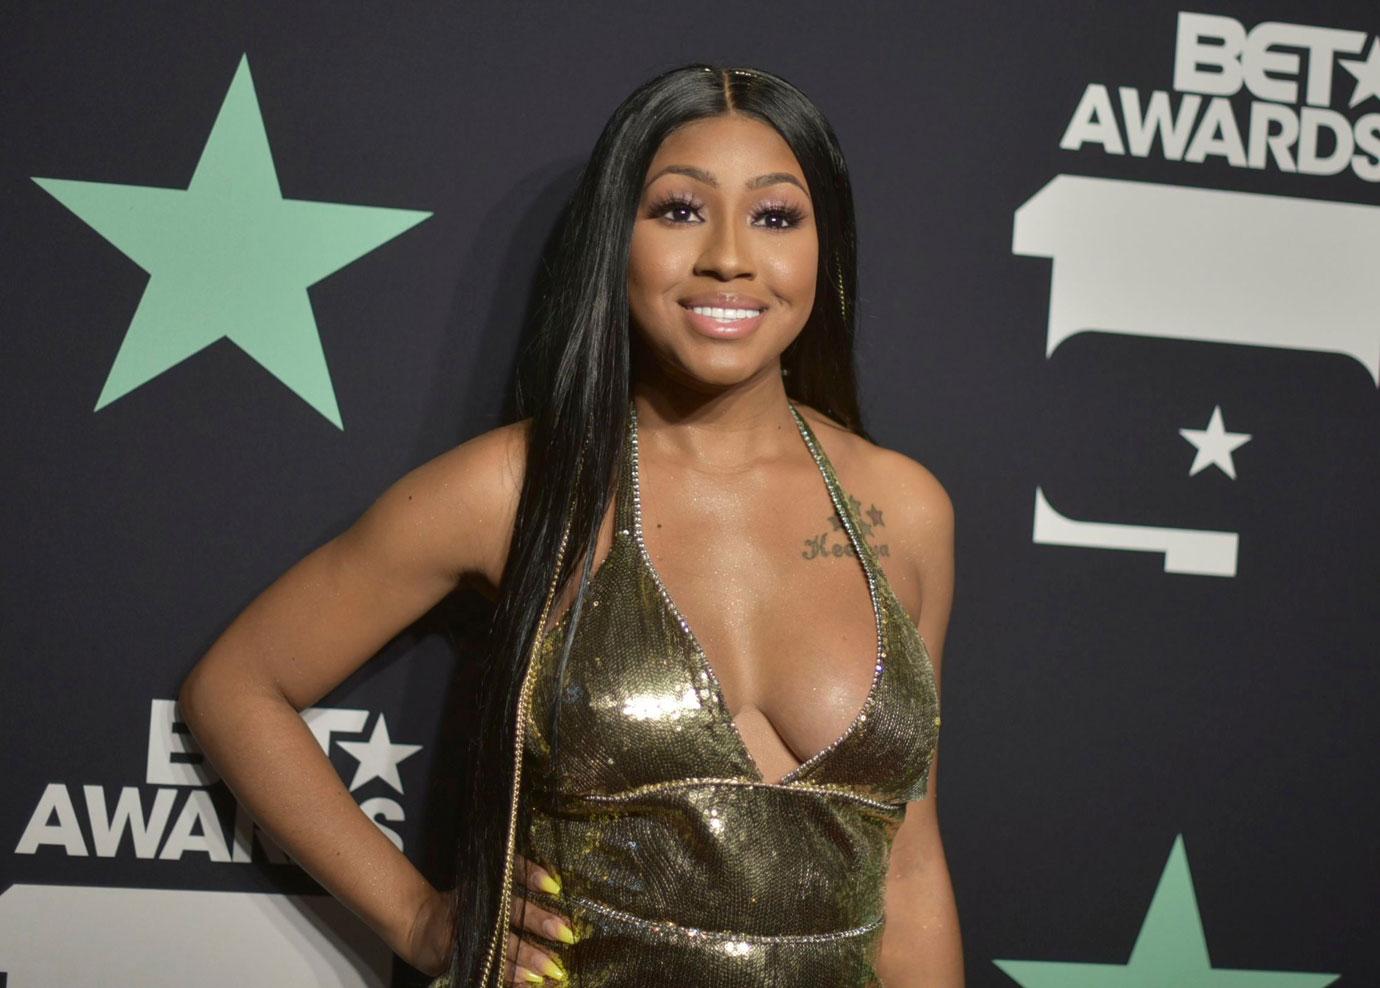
x=725, y=223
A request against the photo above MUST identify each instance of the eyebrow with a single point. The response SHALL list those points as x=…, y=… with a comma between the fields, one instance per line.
x=699, y=174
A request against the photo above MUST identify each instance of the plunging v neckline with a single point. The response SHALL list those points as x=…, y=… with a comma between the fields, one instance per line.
x=705, y=667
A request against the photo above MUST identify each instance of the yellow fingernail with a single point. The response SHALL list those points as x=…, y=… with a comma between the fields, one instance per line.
x=564, y=933
x=548, y=883
x=552, y=970
x=531, y=976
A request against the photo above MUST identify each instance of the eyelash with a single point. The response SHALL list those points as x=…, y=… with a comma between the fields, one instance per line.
x=793, y=214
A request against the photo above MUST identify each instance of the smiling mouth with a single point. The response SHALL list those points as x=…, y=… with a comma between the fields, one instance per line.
x=724, y=322
x=724, y=314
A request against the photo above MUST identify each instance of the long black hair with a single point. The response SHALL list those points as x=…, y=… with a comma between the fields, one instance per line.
x=574, y=383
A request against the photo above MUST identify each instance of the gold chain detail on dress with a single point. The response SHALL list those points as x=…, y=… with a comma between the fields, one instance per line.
x=505, y=898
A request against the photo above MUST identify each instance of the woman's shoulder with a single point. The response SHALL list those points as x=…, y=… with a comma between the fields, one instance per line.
x=904, y=505
x=485, y=470
x=468, y=495
x=869, y=464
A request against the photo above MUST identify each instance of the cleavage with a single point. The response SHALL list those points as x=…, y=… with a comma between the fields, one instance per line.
x=791, y=641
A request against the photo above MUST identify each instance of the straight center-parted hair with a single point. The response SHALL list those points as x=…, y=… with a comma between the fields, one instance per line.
x=574, y=383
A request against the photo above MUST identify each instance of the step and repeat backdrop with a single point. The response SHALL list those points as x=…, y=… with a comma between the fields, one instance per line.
x=1120, y=292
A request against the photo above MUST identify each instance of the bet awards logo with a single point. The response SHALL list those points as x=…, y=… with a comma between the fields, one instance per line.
x=1290, y=124
x=1175, y=262
x=174, y=814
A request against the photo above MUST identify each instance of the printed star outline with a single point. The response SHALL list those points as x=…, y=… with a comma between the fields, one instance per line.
x=1170, y=949
x=1214, y=445
x=228, y=257
x=378, y=757
x=1366, y=72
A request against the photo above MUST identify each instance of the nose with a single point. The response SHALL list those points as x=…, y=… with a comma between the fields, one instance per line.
x=726, y=253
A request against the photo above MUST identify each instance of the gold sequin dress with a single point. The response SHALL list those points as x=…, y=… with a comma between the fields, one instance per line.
x=680, y=864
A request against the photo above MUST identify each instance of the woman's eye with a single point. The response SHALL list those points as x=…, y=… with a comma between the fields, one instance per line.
x=780, y=217
x=674, y=209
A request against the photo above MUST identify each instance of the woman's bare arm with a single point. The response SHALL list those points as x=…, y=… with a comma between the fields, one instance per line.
x=922, y=944
x=446, y=521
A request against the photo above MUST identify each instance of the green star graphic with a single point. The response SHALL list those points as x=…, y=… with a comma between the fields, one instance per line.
x=1170, y=950
x=229, y=257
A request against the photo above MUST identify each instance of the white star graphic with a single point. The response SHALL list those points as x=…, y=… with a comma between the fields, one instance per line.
x=1214, y=445
x=1366, y=73
x=378, y=757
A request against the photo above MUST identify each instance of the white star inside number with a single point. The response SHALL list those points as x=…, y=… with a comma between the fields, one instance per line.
x=1214, y=445
x=378, y=757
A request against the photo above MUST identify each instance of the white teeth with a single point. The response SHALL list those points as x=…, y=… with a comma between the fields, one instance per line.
x=724, y=315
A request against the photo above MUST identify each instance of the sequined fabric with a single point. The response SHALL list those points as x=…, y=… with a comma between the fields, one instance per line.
x=680, y=865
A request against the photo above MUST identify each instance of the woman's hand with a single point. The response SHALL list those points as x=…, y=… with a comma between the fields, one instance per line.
x=527, y=963
x=432, y=933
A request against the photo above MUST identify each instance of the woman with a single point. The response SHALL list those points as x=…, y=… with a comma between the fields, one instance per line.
x=730, y=718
